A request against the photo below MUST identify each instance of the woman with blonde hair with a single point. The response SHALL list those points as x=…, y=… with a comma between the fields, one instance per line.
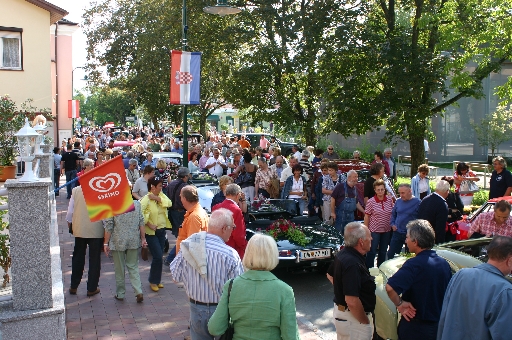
x=258, y=295
x=162, y=172
x=220, y=196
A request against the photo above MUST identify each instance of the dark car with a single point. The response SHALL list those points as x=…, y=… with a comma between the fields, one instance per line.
x=286, y=147
x=323, y=243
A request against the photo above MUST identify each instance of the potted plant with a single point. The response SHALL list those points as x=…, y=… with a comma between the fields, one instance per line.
x=10, y=122
x=5, y=256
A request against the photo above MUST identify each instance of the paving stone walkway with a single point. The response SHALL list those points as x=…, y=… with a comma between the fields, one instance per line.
x=162, y=315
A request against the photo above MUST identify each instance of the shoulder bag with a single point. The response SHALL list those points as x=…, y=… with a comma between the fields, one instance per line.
x=230, y=332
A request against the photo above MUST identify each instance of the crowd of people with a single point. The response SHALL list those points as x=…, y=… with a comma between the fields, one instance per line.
x=227, y=278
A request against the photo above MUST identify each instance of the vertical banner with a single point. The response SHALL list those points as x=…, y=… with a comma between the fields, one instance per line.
x=73, y=109
x=106, y=190
x=185, y=77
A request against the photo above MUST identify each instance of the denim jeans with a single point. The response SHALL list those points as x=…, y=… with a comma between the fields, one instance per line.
x=302, y=205
x=396, y=244
x=380, y=240
x=70, y=175
x=199, y=316
x=156, y=247
x=56, y=180
x=78, y=262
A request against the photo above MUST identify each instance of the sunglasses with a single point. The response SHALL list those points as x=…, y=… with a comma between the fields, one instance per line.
x=329, y=148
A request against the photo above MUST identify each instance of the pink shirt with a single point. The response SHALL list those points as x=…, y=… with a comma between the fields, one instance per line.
x=264, y=143
x=485, y=224
x=380, y=214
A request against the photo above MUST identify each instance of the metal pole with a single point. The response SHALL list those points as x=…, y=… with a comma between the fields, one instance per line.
x=184, y=47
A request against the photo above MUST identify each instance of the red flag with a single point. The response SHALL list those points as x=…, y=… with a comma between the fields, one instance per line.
x=106, y=190
x=73, y=109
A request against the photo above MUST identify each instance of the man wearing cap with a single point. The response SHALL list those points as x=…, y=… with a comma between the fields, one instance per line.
x=176, y=212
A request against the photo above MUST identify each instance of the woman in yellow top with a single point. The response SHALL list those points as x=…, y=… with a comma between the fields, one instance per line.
x=154, y=207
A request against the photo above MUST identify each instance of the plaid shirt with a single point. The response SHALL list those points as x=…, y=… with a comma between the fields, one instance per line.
x=485, y=224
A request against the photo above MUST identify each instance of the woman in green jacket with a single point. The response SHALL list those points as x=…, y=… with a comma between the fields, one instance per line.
x=260, y=305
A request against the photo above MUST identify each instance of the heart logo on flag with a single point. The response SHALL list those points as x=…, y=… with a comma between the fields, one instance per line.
x=106, y=183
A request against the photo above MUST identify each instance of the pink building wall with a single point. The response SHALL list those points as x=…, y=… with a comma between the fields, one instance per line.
x=61, y=73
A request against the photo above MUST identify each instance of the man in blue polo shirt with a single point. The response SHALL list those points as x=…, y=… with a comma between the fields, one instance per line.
x=422, y=281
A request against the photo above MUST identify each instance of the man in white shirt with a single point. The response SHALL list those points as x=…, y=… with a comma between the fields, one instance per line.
x=288, y=171
x=216, y=164
x=296, y=152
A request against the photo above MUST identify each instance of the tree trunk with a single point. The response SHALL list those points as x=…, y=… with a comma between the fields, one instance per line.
x=155, y=123
x=202, y=126
x=417, y=152
x=309, y=133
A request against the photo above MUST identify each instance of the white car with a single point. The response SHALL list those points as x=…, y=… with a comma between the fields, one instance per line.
x=206, y=186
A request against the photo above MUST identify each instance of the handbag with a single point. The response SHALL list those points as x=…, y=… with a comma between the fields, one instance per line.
x=468, y=187
x=144, y=253
x=230, y=332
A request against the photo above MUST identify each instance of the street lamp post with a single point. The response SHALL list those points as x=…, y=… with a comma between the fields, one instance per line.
x=221, y=8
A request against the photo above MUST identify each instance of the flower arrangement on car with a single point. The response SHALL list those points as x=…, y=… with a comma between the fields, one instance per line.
x=285, y=229
x=203, y=176
x=257, y=204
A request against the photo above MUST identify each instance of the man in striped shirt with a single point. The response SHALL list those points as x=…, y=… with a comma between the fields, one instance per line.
x=204, y=264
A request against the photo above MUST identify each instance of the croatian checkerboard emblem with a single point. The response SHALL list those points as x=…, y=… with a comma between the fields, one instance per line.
x=183, y=77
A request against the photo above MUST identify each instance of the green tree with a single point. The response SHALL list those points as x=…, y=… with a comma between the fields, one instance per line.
x=276, y=70
x=133, y=40
x=494, y=129
x=399, y=63
x=107, y=104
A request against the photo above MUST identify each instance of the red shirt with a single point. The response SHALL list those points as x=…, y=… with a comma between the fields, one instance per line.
x=237, y=239
x=485, y=224
x=380, y=214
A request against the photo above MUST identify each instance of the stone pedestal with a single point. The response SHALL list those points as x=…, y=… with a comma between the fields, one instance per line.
x=29, y=219
x=37, y=308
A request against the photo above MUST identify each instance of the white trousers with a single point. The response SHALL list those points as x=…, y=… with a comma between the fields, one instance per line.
x=348, y=328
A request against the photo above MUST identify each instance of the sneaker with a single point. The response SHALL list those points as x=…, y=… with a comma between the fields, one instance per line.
x=140, y=298
x=154, y=287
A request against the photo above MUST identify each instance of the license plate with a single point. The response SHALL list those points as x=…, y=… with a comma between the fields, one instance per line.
x=305, y=255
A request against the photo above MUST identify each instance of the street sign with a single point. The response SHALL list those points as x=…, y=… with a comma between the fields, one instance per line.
x=130, y=119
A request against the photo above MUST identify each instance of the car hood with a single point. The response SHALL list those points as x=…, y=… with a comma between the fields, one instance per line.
x=320, y=236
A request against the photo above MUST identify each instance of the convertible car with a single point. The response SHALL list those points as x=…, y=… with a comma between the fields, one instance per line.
x=322, y=243
x=459, y=254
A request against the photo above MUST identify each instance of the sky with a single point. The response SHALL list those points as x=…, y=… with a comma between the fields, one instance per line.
x=76, y=9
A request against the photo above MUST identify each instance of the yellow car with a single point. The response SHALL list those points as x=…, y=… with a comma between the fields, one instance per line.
x=459, y=254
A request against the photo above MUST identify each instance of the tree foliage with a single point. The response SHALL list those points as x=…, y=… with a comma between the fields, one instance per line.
x=276, y=70
x=133, y=40
x=494, y=129
x=108, y=103
x=403, y=62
